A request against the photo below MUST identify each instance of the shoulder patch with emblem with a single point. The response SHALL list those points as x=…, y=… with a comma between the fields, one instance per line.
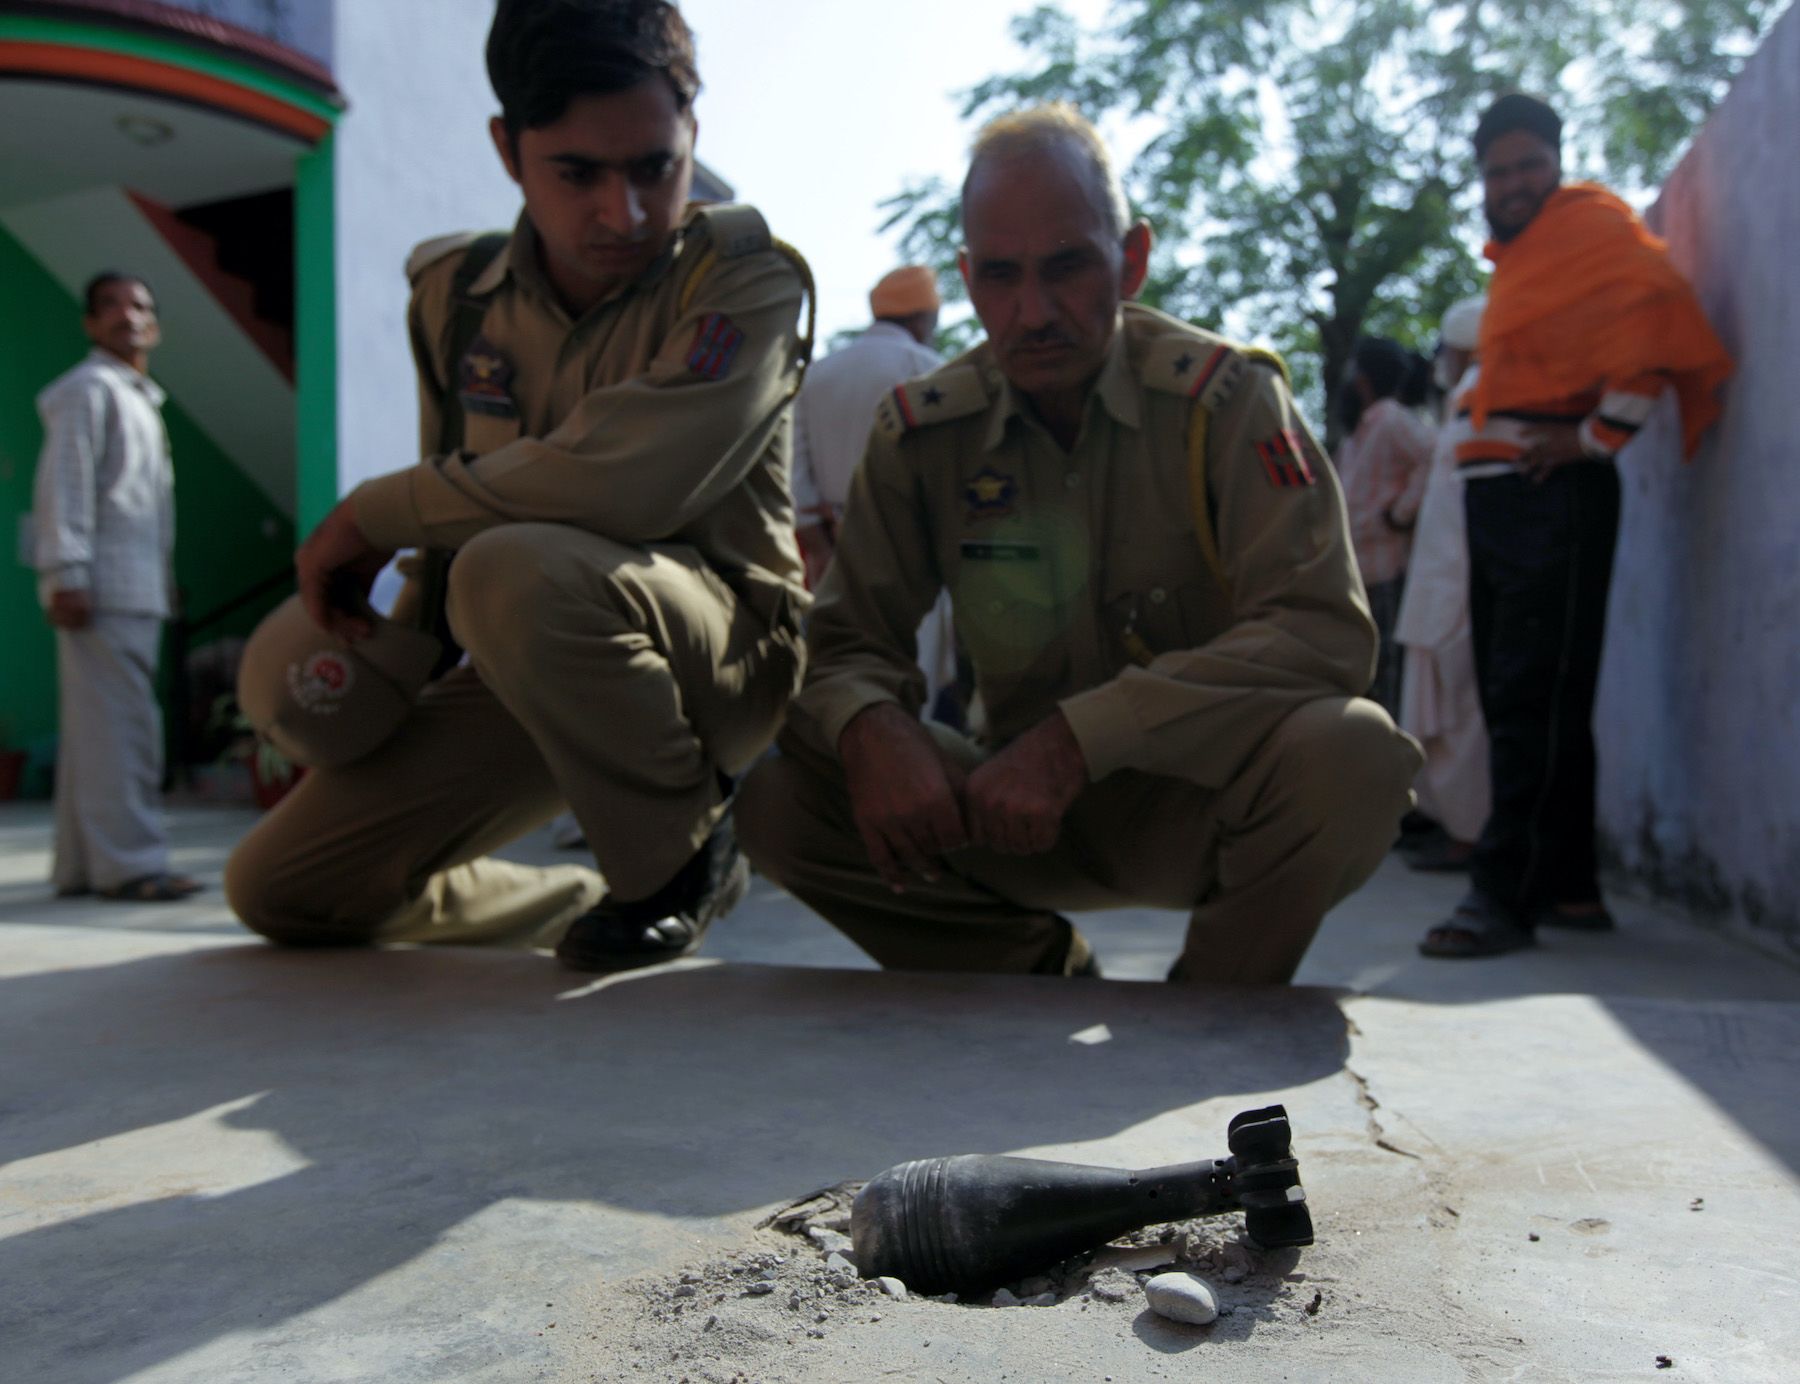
x=429, y=252
x=953, y=392
x=716, y=342
x=484, y=380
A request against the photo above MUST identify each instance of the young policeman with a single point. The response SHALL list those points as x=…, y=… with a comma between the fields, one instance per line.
x=604, y=416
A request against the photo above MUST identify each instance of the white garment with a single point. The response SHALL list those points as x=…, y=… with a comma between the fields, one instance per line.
x=1440, y=700
x=103, y=501
x=108, y=755
x=832, y=420
x=836, y=410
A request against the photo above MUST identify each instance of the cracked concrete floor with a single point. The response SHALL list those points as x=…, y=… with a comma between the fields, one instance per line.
x=225, y=1162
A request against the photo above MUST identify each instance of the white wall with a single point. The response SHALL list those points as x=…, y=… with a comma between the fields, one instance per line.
x=1699, y=711
x=413, y=161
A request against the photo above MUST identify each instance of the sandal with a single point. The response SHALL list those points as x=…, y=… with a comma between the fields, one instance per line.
x=1480, y=926
x=159, y=888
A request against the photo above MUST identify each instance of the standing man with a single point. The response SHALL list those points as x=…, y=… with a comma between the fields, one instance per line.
x=837, y=406
x=1383, y=462
x=831, y=430
x=1152, y=575
x=604, y=410
x=1587, y=323
x=103, y=516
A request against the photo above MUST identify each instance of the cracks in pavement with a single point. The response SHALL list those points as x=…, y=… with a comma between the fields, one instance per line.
x=1365, y=1097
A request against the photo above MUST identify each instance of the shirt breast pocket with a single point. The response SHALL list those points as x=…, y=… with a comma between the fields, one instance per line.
x=1005, y=606
x=1160, y=595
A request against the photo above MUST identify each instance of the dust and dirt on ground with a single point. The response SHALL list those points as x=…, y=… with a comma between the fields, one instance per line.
x=752, y=1314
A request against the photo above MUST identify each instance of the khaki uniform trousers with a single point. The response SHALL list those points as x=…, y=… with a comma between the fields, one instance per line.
x=614, y=679
x=1259, y=863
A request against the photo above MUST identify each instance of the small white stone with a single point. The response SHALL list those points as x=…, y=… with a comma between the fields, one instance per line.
x=1005, y=1297
x=1182, y=1297
x=1041, y=1300
x=1036, y=1287
x=893, y=1287
x=762, y=1288
x=836, y=1263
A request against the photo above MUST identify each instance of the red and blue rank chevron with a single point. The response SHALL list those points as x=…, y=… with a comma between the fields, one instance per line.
x=716, y=342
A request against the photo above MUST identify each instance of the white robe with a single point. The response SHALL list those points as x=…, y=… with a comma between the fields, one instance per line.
x=1440, y=703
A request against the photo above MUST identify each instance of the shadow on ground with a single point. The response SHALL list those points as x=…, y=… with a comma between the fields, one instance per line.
x=408, y=1092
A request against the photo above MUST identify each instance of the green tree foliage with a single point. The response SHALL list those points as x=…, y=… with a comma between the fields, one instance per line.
x=1307, y=166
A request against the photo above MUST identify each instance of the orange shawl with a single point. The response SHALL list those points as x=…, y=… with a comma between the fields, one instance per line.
x=1586, y=295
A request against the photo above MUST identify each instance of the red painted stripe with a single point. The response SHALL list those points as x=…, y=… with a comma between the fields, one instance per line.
x=142, y=74
x=906, y=413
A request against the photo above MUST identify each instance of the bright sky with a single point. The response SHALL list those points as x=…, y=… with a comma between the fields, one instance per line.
x=816, y=110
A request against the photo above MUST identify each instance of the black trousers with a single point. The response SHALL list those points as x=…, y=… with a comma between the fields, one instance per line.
x=1540, y=564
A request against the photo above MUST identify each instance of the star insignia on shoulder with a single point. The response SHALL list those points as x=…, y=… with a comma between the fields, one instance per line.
x=934, y=395
x=1184, y=363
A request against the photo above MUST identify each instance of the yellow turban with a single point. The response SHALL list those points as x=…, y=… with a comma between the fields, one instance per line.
x=905, y=292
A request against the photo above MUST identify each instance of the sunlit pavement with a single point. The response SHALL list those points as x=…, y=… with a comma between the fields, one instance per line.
x=224, y=1161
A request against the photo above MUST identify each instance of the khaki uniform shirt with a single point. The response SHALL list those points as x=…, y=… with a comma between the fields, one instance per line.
x=1082, y=579
x=659, y=416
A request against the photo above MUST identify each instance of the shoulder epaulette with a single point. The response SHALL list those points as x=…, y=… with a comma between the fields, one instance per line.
x=735, y=228
x=956, y=391
x=1199, y=365
x=429, y=252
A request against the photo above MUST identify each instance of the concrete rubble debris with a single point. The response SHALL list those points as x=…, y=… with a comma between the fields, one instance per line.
x=892, y=1286
x=1182, y=1297
x=831, y=1241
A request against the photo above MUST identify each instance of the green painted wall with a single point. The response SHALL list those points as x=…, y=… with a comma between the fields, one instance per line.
x=227, y=536
x=315, y=333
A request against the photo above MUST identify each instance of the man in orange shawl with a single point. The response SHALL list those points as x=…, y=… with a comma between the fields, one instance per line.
x=1587, y=324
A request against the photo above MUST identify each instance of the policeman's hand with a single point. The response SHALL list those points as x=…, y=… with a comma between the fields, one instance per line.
x=1548, y=446
x=336, y=567
x=904, y=793
x=71, y=610
x=1015, y=802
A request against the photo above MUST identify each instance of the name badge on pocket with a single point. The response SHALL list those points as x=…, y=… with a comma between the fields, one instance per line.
x=980, y=550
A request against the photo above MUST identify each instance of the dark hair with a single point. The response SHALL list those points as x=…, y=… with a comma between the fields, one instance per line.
x=1383, y=362
x=91, y=294
x=542, y=54
x=1517, y=111
x=1415, y=385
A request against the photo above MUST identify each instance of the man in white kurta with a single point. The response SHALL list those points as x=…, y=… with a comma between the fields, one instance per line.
x=832, y=419
x=103, y=529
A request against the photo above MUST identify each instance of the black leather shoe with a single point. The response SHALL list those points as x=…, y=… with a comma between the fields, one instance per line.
x=670, y=923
